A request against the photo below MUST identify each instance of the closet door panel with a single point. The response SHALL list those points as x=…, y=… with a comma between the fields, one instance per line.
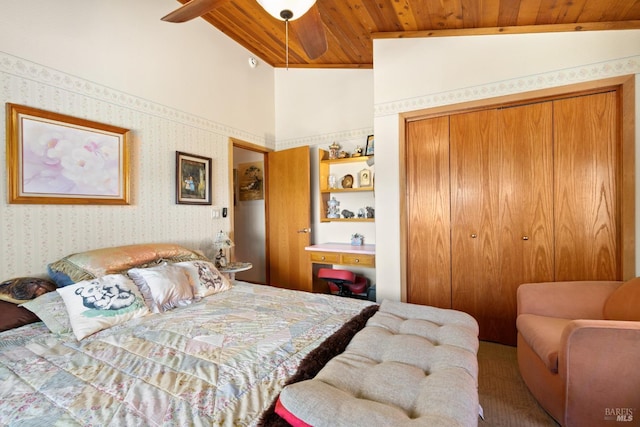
x=586, y=188
x=524, y=229
x=428, y=238
x=475, y=263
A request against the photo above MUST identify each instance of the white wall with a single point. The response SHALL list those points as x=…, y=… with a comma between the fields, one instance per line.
x=316, y=107
x=415, y=74
x=177, y=87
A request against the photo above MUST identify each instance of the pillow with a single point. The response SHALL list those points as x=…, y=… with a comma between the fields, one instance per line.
x=204, y=278
x=624, y=302
x=97, y=304
x=163, y=287
x=13, y=316
x=22, y=289
x=99, y=262
x=51, y=310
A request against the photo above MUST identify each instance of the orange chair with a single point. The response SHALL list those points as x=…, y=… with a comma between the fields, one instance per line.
x=344, y=282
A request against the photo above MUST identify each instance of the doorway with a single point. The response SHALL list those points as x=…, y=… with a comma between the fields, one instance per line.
x=249, y=209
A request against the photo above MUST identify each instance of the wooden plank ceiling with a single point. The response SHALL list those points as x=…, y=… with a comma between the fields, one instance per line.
x=351, y=25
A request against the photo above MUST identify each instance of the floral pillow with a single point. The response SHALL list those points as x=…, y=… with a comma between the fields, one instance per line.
x=164, y=287
x=97, y=304
x=205, y=278
x=51, y=310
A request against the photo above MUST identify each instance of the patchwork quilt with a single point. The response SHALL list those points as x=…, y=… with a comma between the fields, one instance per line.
x=220, y=361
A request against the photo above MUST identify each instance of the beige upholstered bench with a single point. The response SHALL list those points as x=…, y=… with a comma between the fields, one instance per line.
x=411, y=365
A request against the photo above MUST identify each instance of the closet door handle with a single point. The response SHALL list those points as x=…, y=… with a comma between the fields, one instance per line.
x=305, y=230
x=474, y=235
x=525, y=237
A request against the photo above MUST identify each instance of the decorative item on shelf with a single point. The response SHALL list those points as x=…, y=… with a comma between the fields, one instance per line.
x=370, y=146
x=347, y=181
x=343, y=154
x=333, y=150
x=222, y=244
x=347, y=213
x=371, y=212
x=361, y=213
x=334, y=208
x=365, y=178
x=357, y=239
x=357, y=152
x=333, y=181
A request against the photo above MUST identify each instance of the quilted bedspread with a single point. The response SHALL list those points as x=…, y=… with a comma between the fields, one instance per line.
x=220, y=361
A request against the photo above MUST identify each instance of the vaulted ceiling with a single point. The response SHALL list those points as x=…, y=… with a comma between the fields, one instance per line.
x=351, y=25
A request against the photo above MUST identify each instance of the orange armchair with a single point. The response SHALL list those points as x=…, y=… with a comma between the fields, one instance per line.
x=579, y=350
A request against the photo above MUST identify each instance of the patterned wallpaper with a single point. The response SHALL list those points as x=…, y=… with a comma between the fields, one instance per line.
x=34, y=235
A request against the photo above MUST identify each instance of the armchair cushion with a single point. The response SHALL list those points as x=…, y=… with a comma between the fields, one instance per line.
x=543, y=334
x=624, y=302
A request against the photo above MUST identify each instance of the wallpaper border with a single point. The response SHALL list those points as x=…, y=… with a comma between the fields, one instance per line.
x=583, y=73
x=349, y=135
x=29, y=70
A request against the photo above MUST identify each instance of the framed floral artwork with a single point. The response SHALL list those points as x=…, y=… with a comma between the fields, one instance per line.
x=58, y=159
x=193, y=179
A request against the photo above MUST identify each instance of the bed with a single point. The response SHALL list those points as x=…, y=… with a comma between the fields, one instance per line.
x=217, y=359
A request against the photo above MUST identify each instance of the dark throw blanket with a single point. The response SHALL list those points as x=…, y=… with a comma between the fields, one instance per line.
x=319, y=357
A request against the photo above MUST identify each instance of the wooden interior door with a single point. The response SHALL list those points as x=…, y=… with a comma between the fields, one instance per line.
x=428, y=224
x=289, y=218
x=587, y=213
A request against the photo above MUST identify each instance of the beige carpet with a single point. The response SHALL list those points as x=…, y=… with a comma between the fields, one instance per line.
x=504, y=397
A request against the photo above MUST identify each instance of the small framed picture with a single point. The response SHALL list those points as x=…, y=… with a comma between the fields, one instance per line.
x=365, y=178
x=370, y=149
x=193, y=179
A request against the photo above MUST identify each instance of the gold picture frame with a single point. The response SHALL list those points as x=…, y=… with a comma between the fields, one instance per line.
x=53, y=158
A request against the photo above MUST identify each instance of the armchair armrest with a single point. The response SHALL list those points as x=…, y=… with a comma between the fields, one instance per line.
x=567, y=300
x=598, y=360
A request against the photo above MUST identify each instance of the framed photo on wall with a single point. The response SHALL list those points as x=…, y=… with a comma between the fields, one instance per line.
x=251, y=181
x=193, y=179
x=369, y=151
x=53, y=158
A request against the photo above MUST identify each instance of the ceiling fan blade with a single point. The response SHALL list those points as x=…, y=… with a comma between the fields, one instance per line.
x=192, y=9
x=310, y=31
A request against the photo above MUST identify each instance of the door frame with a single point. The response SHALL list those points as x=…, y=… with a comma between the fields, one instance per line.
x=625, y=85
x=238, y=143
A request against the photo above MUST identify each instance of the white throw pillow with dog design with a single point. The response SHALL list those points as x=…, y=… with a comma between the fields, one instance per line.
x=97, y=304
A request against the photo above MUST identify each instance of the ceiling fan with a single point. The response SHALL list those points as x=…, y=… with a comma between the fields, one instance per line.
x=303, y=16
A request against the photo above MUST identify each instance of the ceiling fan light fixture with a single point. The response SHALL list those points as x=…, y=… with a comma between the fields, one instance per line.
x=286, y=10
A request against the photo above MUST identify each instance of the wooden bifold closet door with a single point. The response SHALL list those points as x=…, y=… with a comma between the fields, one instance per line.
x=506, y=196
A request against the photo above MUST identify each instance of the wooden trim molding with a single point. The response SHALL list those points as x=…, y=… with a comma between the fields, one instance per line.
x=521, y=29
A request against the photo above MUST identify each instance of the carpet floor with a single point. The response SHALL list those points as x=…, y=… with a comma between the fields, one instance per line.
x=504, y=397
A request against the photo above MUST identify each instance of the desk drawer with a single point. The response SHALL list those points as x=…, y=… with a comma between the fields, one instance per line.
x=361, y=260
x=325, y=257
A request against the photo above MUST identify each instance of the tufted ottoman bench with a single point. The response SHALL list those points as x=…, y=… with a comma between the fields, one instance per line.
x=411, y=365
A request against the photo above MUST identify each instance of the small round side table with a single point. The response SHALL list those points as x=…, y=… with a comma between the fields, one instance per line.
x=232, y=268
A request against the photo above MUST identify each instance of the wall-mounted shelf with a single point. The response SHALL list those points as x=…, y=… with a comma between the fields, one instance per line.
x=340, y=168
